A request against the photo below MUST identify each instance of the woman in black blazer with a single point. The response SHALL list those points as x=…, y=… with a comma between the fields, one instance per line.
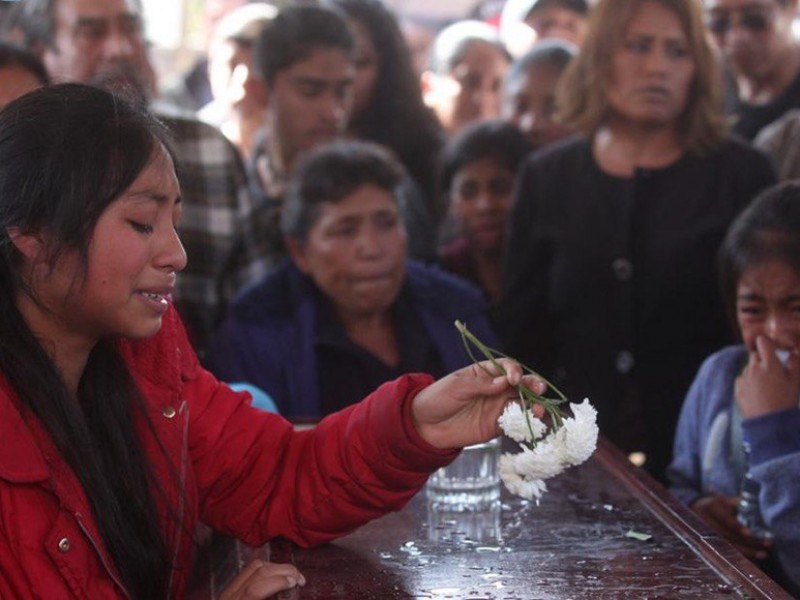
x=609, y=273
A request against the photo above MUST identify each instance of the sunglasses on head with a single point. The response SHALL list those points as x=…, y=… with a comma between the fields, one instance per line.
x=755, y=22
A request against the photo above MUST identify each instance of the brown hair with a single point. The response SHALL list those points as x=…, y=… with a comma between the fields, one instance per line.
x=582, y=94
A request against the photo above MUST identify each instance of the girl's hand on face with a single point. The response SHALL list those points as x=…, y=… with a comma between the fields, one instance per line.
x=261, y=579
x=719, y=513
x=462, y=408
x=766, y=385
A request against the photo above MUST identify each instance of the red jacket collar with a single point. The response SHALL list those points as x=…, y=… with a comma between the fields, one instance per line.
x=164, y=359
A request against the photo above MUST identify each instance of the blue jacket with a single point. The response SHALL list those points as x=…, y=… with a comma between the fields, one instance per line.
x=267, y=338
x=702, y=459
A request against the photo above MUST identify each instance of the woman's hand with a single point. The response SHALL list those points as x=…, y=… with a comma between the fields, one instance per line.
x=261, y=579
x=719, y=512
x=462, y=408
x=765, y=385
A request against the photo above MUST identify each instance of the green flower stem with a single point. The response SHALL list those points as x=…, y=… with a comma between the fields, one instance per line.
x=526, y=395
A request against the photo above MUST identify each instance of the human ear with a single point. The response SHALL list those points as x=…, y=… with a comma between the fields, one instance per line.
x=427, y=83
x=297, y=252
x=256, y=88
x=30, y=245
x=439, y=92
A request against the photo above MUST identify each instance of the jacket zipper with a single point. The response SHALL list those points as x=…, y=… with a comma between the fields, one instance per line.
x=79, y=518
x=182, y=410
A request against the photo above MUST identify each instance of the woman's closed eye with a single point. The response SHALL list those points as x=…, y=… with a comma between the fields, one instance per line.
x=751, y=310
x=141, y=227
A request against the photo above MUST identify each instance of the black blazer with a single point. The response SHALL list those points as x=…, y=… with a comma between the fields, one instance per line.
x=611, y=285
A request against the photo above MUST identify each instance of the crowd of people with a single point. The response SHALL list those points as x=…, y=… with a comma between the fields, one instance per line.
x=602, y=189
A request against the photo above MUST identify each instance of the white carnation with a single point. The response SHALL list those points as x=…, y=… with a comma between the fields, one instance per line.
x=515, y=425
x=531, y=490
x=576, y=440
x=516, y=482
x=542, y=462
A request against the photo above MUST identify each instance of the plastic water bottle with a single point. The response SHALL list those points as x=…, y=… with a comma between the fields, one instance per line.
x=748, y=513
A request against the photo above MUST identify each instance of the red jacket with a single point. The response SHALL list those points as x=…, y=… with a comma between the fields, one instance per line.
x=240, y=470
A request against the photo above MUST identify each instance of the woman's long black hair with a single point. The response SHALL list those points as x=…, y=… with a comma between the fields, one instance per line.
x=66, y=153
x=396, y=116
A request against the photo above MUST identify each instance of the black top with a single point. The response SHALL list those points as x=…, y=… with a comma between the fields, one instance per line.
x=611, y=285
x=751, y=118
x=348, y=372
x=456, y=258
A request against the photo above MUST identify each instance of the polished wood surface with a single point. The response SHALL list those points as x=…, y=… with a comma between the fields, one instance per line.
x=573, y=545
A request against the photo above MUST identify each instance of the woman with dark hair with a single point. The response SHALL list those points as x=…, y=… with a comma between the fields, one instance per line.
x=115, y=442
x=465, y=74
x=610, y=262
x=387, y=101
x=478, y=171
x=739, y=429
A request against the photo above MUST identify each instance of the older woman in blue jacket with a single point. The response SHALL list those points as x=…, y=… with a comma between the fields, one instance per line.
x=349, y=311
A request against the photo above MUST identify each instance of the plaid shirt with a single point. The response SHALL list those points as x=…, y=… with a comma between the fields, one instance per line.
x=219, y=227
x=268, y=183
